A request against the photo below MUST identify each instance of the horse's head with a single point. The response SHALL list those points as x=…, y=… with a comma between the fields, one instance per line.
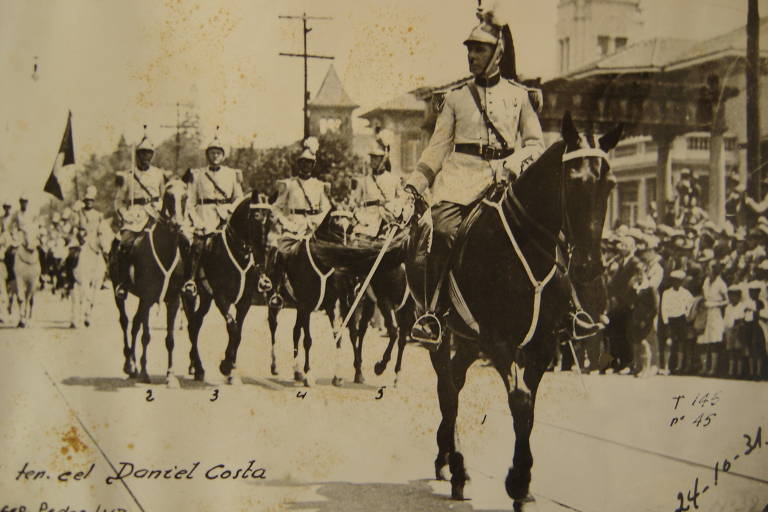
x=250, y=223
x=587, y=182
x=174, y=204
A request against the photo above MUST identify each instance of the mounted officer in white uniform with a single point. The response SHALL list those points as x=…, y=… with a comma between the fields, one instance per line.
x=24, y=226
x=301, y=205
x=377, y=197
x=137, y=205
x=213, y=192
x=487, y=132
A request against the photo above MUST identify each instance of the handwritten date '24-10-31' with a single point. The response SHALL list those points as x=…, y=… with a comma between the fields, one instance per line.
x=690, y=500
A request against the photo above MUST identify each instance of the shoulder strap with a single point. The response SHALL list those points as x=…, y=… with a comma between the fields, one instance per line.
x=216, y=185
x=381, y=190
x=306, y=197
x=486, y=119
x=144, y=187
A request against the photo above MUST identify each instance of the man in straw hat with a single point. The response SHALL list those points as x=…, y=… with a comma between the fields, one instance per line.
x=137, y=204
x=213, y=192
x=487, y=131
x=676, y=302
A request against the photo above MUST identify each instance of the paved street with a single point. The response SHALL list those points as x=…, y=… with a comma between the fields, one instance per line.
x=67, y=408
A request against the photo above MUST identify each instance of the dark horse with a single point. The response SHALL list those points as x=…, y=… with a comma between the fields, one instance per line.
x=156, y=277
x=230, y=266
x=321, y=275
x=504, y=274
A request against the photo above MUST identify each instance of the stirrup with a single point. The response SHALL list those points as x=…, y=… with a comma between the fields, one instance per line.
x=190, y=288
x=121, y=291
x=276, y=301
x=427, y=330
x=265, y=284
x=582, y=325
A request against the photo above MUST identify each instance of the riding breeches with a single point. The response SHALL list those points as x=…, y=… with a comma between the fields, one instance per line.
x=446, y=219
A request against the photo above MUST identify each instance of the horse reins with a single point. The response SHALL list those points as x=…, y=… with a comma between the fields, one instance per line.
x=539, y=285
x=166, y=272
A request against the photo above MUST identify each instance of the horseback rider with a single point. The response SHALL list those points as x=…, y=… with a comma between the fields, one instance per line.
x=137, y=205
x=5, y=220
x=301, y=205
x=90, y=219
x=377, y=196
x=487, y=131
x=24, y=225
x=213, y=192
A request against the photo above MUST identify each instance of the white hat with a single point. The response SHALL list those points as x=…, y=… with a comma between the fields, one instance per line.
x=383, y=143
x=311, y=145
x=491, y=21
x=677, y=274
x=216, y=144
x=145, y=145
x=90, y=192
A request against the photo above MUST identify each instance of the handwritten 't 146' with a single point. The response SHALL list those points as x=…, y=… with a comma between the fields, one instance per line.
x=700, y=415
x=690, y=500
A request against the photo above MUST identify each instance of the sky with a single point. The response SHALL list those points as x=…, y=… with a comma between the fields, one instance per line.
x=118, y=65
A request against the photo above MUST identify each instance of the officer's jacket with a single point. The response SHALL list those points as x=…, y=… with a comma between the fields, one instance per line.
x=140, y=196
x=301, y=205
x=376, y=199
x=462, y=178
x=212, y=196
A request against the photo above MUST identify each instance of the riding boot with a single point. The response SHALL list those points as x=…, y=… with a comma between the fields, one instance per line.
x=427, y=329
x=123, y=262
x=277, y=276
x=190, y=269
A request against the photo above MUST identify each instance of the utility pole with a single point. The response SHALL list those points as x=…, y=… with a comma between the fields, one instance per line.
x=178, y=126
x=305, y=56
x=754, y=173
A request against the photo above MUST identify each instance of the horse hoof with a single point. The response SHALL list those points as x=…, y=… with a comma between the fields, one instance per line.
x=298, y=377
x=337, y=381
x=72, y=325
x=87, y=323
x=22, y=325
x=273, y=369
x=526, y=504
x=172, y=382
x=379, y=368
x=359, y=379
x=199, y=376
x=457, y=491
x=226, y=367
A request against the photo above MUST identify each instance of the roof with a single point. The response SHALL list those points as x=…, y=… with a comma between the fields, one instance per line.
x=668, y=54
x=405, y=103
x=332, y=93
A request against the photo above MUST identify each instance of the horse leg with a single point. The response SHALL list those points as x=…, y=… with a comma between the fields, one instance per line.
x=135, y=328
x=404, y=319
x=451, y=375
x=298, y=376
x=272, y=320
x=521, y=383
x=234, y=330
x=305, y=315
x=171, y=309
x=145, y=306
x=127, y=368
x=194, y=324
x=368, y=308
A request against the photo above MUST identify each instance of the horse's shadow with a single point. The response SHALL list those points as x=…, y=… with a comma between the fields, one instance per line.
x=376, y=497
x=116, y=383
x=323, y=382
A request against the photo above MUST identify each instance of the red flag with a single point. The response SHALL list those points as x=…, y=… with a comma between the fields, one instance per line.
x=65, y=156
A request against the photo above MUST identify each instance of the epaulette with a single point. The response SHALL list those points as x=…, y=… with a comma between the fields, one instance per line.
x=535, y=95
x=327, y=188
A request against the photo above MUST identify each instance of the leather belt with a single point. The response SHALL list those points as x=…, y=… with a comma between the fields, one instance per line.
x=143, y=201
x=483, y=151
x=304, y=211
x=377, y=202
x=215, y=201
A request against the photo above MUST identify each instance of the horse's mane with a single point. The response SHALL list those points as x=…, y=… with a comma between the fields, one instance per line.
x=358, y=259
